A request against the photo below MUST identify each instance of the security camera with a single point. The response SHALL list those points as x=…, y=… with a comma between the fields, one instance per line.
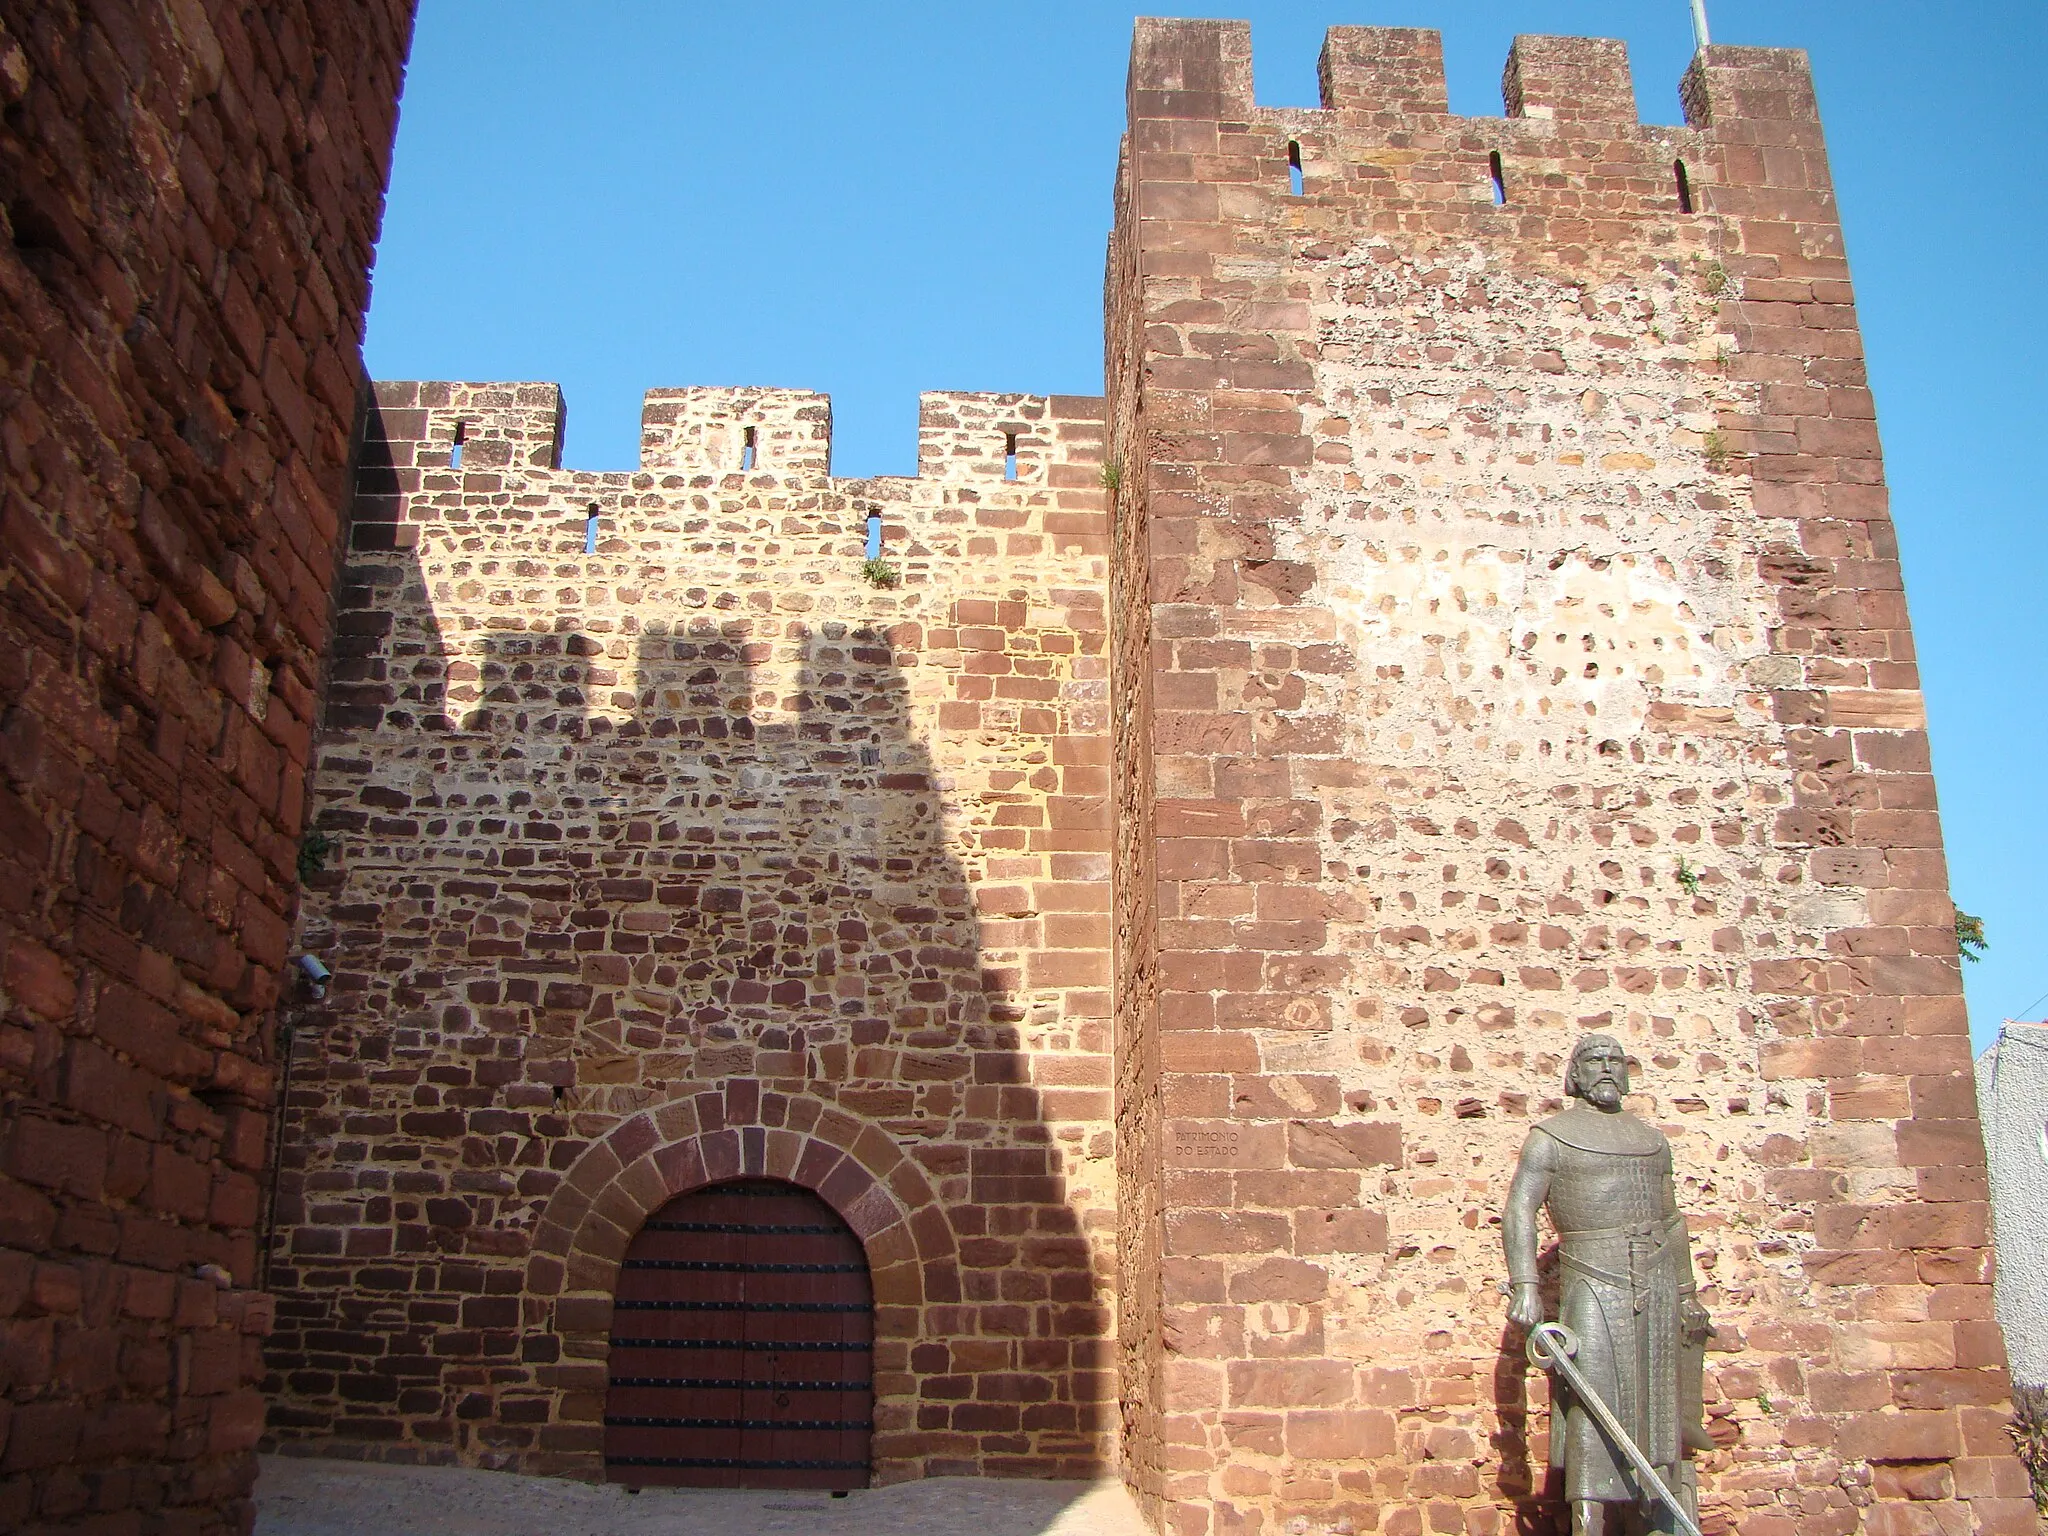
x=315, y=975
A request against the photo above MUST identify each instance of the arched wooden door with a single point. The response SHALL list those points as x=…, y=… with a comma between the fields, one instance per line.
x=742, y=1351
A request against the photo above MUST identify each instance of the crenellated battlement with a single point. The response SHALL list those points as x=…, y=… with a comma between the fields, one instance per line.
x=1566, y=78
x=709, y=430
x=1569, y=141
x=440, y=435
x=1033, y=440
x=1192, y=69
x=1396, y=70
x=466, y=478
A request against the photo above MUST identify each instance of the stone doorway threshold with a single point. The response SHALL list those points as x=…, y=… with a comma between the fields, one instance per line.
x=307, y=1496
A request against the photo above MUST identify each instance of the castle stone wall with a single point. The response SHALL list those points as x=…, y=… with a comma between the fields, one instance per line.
x=1152, y=920
x=671, y=847
x=1526, y=657
x=191, y=195
x=1141, y=1345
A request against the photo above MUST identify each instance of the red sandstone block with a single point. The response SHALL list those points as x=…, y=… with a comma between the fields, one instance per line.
x=1955, y=1267
x=1339, y=1231
x=1913, y=1480
x=2004, y=1517
x=1067, y=968
x=58, y=1156
x=42, y=1435
x=1284, y=1096
x=1983, y=1387
x=1910, y=1436
x=1303, y=1012
x=1848, y=1392
x=1989, y=1477
x=1192, y=858
x=1938, y=1015
x=124, y=1429
x=1212, y=1232
x=1825, y=1058
x=1965, y=1300
x=1279, y=1279
x=28, y=1352
x=1223, y=1144
x=1940, y=1143
x=1861, y=1267
x=235, y=1423
x=1980, y=1345
x=1893, y=1518
x=1289, y=1383
x=1823, y=437
x=1956, y=1224
x=38, y=980
x=17, y=1281
x=1348, y=1435
x=1986, y=1431
x=1208, y=1051
x=1336, y=1144
x=1198, y=818
x=96, y=1084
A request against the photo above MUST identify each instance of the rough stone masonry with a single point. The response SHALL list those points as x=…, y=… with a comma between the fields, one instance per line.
x=1508, y=641
x=672, y=847
x=190, y=194
x=1469, y=617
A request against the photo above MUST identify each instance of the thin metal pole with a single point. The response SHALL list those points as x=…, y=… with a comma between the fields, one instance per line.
x=1699, y=23
x=288, y=1039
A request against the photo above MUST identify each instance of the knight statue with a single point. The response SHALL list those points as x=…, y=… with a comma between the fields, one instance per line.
x=1626, y=1299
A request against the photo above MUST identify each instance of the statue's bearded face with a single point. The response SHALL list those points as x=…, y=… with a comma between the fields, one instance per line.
x=1600, y=1072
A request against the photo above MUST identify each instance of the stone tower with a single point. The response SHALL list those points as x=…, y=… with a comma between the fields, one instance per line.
x=1507, y=642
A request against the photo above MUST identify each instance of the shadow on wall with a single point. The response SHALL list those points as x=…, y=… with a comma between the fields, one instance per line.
x=1523, y=1472
x=591, y=865
x=831, y=920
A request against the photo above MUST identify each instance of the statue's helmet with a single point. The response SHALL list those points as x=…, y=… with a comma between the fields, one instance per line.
x=1586, y=1046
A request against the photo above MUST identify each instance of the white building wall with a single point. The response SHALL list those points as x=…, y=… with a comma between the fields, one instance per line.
x=2012, y=1095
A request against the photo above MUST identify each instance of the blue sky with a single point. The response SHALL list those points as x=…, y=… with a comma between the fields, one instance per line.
x=874, y=200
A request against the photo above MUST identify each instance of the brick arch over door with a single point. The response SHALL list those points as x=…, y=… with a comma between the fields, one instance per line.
x=649, y=1159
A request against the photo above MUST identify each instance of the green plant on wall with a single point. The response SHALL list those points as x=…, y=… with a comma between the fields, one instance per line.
x=1970, y=938
x=878, y=573
x=2029, y=1431
x=314, y=848
x=1688, y=878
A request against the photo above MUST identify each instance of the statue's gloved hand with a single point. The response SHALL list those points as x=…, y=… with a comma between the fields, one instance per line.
x=1693, y=1320
x=1525, y=1304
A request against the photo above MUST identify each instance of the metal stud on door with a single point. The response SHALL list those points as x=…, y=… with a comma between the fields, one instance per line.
x=742, y=1345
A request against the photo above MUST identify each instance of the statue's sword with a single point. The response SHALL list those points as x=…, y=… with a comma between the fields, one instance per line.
x=1551, y=1347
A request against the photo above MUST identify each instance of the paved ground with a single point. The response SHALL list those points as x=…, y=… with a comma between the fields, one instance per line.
x=300, y=1496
